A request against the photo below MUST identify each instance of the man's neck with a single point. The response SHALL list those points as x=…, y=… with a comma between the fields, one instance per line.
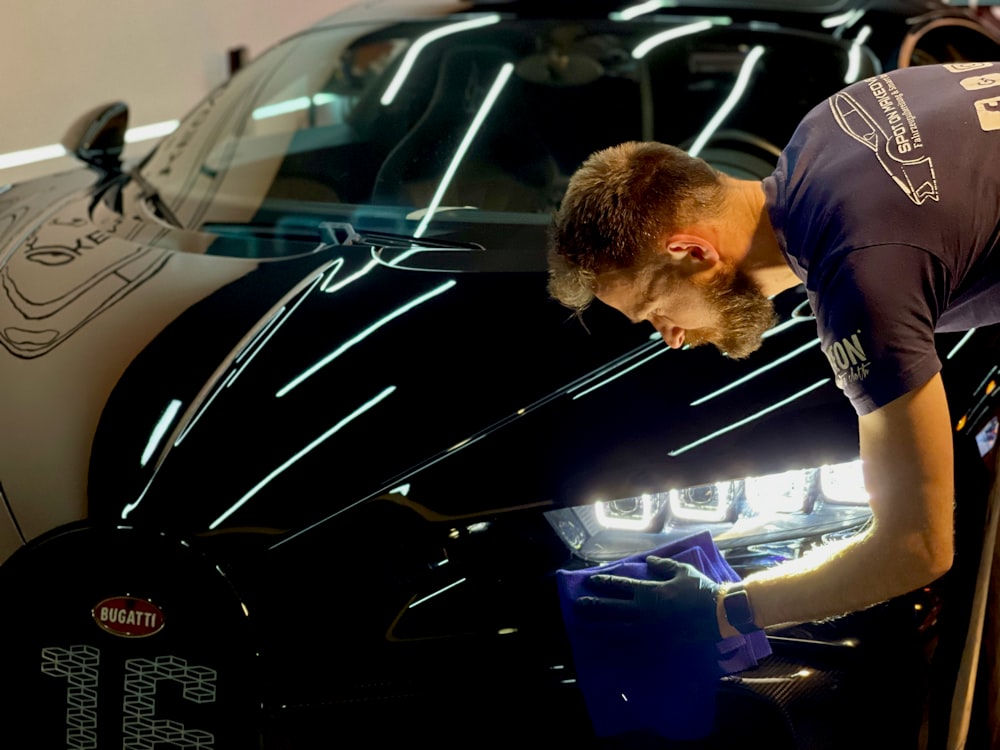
x=762, y=258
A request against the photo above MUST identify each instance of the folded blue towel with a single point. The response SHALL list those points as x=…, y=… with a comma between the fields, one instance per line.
x=632, y=677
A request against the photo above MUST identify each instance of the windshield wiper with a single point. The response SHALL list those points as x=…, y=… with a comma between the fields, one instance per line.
x=342, y=233
x=151, y=194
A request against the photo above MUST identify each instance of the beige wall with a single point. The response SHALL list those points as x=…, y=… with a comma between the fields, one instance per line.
x=61, y=58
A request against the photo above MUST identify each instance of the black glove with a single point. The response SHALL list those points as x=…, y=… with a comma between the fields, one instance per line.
x=681, y=598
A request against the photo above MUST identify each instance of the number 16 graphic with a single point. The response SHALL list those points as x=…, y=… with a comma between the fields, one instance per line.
x=140, y=730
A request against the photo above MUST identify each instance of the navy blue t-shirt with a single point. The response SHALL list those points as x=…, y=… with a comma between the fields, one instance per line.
x=886, y=204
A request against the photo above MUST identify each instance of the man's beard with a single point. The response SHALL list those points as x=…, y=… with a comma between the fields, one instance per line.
x=745, y=314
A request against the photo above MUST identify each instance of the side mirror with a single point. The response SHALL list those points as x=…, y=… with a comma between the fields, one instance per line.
x=98, y=137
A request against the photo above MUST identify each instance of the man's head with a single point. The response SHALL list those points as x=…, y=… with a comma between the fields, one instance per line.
x=640, y=228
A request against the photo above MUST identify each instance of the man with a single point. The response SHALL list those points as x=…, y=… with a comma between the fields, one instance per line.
x=885, y=204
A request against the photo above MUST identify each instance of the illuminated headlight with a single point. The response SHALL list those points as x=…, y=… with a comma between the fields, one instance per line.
x=712, y=503
x=788, y=492
x=778, y=515
x=634, y=513
x=844, y=483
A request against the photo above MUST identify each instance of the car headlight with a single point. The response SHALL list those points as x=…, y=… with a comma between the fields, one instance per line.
x=706, y=502
x=636, y=513
x=790, y=511
x=843, y=483
x=788, y=492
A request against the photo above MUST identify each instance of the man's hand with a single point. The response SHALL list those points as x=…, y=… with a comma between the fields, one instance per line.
x=681, y=599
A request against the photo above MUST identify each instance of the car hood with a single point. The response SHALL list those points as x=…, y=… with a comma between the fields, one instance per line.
x=310, y=384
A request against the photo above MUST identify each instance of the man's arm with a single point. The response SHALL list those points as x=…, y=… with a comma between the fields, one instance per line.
x=906, y=450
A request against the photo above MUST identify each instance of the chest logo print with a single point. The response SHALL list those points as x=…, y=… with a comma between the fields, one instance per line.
x=889, y=135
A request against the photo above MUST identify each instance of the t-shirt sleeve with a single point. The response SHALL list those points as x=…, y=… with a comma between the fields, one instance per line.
x=876, y=310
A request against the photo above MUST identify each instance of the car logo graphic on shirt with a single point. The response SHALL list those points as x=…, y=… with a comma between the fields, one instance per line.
x=128, y=616
x=915, y=177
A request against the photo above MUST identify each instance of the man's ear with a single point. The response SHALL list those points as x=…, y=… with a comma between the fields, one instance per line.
x=690, y=247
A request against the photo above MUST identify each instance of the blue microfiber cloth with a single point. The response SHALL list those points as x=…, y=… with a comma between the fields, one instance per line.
x=632, y=677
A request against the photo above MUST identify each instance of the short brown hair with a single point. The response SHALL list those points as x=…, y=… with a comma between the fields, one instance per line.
x=618, y=203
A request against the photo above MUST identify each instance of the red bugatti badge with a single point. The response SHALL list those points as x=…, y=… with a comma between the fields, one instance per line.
x=128, y=616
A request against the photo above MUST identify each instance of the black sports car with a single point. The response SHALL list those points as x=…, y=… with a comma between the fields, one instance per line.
x=294, y=441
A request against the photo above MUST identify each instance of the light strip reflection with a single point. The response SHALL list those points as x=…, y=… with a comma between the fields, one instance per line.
x=292, y=105
x=260, y=339
x=759, y=371
x=641, y=9
x=437, y=593
x=854, y=55
x=362, y=335
x=647, y=45
x=843, y=20
x=488, y=101
x=617, y=375
x=331, y=288
x=739, y=88
x=961, y=343
x=747, y=420
x=309, y=448
x=162, y=425
x=56, y=150
x=418, y=46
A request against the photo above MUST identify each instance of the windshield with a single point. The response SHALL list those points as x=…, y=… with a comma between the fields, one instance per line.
x=420, y=127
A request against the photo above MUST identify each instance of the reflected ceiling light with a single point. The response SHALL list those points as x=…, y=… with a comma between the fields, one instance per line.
x=162, y=425
x=365, y=333
x=488, y=101
x=149, y=132
x=602, y=370
x=641, y=9
x=748, y=420
x=418, y=45
x=204, y=408
x=309, y=448
x=260, y=337
x=961, y=343
x=418, y=602
x=331, y=288
x=334, y=270
x=985, y=380
x=759, y=371
x=647, y=45
x=782, y=327
x=739, y=88
x=843, y=20
x=292, y=105
x=854, y=55
x=657, y=353
x=54, y=151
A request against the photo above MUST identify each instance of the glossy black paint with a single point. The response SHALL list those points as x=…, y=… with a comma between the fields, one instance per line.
x=387, y=522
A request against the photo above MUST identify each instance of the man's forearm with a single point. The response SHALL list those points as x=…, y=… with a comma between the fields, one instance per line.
x=906, y=456
x=838, y=578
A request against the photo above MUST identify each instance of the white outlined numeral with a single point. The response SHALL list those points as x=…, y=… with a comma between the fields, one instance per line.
x=78, y=664
x=141, y=730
